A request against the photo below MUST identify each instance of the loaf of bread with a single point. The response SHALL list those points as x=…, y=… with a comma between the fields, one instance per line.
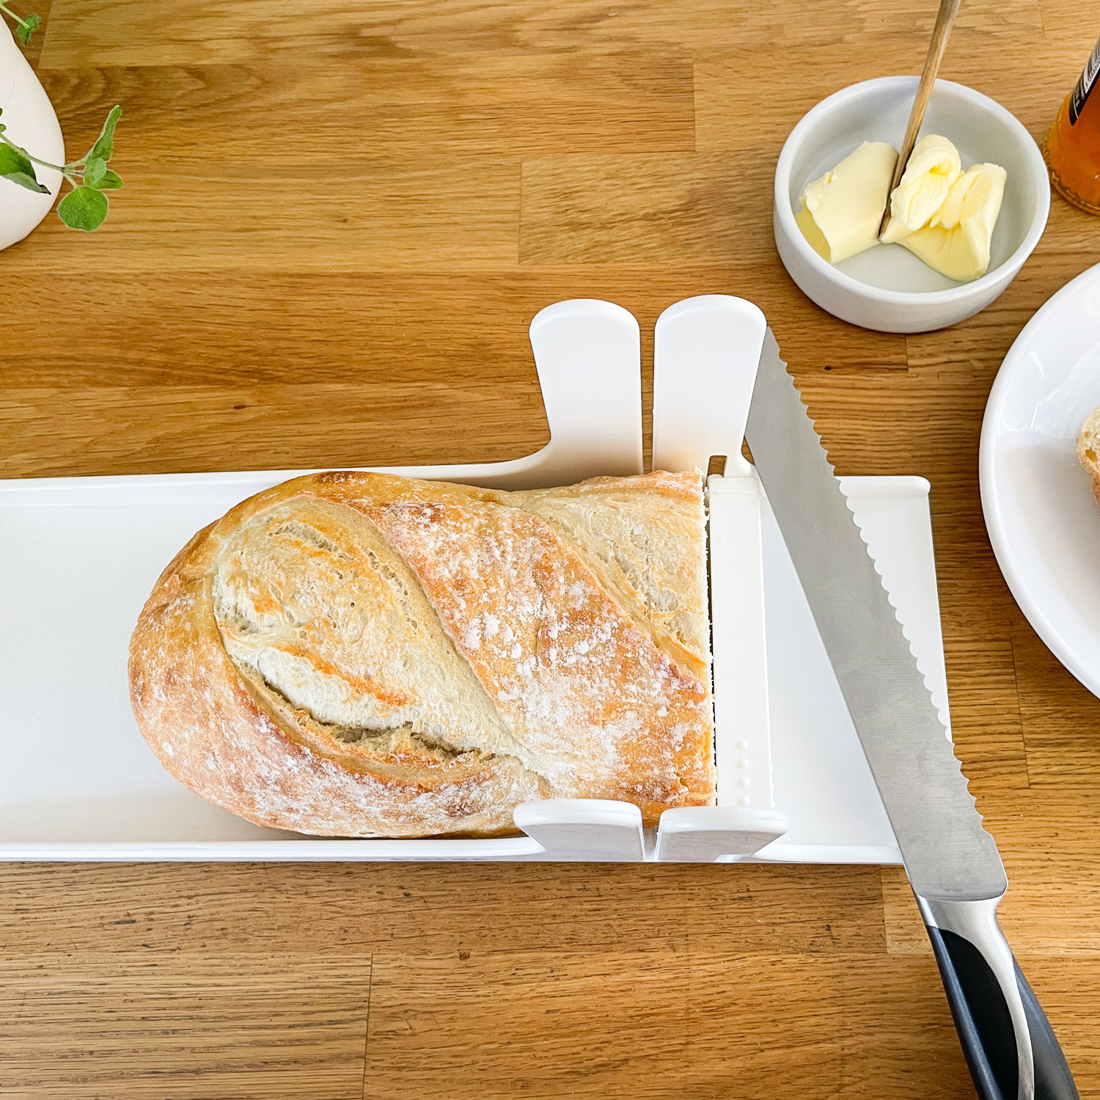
x=355, y=654
x=1088, y=449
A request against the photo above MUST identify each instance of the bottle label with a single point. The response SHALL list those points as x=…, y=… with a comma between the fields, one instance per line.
x=1084, y=85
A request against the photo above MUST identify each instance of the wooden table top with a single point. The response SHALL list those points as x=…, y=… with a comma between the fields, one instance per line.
x=337, y=222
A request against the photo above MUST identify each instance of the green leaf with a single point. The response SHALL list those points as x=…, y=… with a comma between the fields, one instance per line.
x=111, y=181
x=15, y=166
x=85, y=208
x=94, y=171
x=26, y=27
x=105, y=143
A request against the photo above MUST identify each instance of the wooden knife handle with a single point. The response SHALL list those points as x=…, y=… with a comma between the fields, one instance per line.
x=945, y=20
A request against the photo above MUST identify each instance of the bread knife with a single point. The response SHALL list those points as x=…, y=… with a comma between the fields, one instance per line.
x=953, y=864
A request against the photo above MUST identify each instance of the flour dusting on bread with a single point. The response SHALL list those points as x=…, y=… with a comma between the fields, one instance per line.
x=363, y=654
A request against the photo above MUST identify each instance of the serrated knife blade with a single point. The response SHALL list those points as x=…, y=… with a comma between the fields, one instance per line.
x=952, y=862
x=948, y=854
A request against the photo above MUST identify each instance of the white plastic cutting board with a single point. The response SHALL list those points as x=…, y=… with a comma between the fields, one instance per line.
x=79, y=556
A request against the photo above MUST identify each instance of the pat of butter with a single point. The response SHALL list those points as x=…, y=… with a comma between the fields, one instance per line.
x=933, y=167
x=955, y=242
x=842, y=210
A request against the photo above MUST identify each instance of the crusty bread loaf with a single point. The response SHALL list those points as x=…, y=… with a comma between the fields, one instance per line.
x=352, y=654
x=1088, y=449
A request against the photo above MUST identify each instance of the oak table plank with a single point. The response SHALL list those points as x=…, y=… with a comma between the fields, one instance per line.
x=336, y=226
x=173, y=1025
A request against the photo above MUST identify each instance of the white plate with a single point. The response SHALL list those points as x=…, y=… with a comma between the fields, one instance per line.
x=1038, y=505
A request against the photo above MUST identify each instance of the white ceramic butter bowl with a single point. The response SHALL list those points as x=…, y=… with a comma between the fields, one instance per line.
x=886, y=287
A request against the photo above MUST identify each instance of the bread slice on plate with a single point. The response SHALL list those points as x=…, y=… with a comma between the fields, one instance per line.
x=356, y=654
x=1088, y=449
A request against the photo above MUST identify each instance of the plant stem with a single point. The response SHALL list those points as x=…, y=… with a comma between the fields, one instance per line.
x=62, y=168
x=22, y=22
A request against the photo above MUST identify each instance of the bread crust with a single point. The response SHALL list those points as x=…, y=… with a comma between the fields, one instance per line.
x=354, y=654
x=1088, y=450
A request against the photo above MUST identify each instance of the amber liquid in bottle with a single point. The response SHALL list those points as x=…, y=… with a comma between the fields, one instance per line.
x=1072, y=148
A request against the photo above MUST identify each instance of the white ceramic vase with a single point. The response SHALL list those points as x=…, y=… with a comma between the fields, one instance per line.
x=31, y=123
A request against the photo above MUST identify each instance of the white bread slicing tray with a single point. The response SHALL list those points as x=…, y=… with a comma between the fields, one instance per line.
x=79, y=556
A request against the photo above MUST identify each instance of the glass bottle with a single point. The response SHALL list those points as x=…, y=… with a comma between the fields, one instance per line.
x=1072, y=147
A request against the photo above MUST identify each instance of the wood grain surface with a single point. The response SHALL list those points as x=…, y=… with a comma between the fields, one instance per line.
x=337, y=223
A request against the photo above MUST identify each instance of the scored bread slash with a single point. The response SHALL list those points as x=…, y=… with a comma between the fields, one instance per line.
x=359, y=654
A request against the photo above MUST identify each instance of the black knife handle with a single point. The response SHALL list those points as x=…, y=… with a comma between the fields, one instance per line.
x=1009, y=1045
